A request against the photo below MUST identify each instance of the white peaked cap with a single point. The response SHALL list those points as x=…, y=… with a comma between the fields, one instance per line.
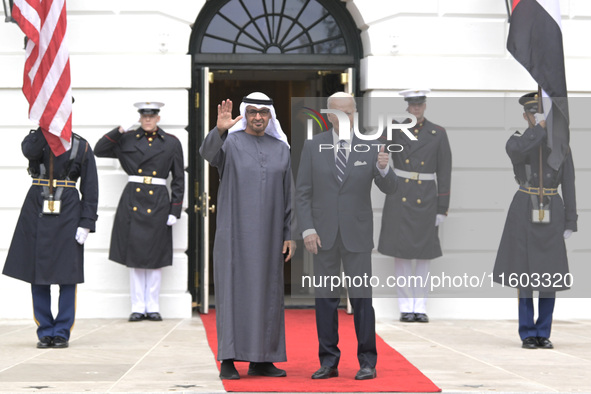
x=260, y=100
x=414, y=92
x=148, y=107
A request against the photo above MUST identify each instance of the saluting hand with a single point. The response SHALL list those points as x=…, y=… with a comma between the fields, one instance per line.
x=225, y=120
x=383, y=158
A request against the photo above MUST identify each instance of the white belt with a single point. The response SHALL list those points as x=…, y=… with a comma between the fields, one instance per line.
x=417, y=176
x=148, y=180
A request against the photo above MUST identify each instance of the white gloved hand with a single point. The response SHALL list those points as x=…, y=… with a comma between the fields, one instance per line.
x=130, y=125
x=171, y=220
x=81, y=235
x=567, y=233
x=539, y=117
x=440, y=218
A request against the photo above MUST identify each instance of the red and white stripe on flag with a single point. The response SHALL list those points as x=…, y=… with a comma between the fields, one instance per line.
x=46, y=80
x=552, y=7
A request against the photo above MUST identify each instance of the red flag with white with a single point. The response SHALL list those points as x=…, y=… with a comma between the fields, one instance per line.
x=46, y=80
x=535, y=40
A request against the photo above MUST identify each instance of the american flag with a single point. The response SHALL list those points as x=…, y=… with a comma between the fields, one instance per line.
x=46, y=81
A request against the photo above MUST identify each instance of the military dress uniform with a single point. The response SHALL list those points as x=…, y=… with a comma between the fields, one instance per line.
x=409, y=231
x=141, y=238
x=44, y=249
x=530, y=250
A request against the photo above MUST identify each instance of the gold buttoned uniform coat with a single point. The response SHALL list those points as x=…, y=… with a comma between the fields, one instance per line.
x=408, y=221
x=140, y=236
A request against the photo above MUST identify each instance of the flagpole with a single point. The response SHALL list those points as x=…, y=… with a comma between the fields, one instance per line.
x=508, y=11
x=541, y=173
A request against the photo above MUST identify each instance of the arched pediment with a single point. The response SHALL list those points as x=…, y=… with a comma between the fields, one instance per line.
x=299, y=31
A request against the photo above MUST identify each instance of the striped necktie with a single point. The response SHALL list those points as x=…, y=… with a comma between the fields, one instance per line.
x=341, y=161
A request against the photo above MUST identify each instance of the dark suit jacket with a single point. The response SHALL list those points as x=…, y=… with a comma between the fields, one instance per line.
x=329, y=206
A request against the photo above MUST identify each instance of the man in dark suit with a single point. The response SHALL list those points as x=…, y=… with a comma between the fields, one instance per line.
x=333, y=197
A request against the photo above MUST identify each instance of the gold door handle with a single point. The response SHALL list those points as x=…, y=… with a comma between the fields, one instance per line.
x=212, y=209
x=197, y=208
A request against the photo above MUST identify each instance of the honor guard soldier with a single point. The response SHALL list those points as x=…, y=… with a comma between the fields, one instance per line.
x=532, y=245
x=142, y=230
x=47, y=246
x=412, y=215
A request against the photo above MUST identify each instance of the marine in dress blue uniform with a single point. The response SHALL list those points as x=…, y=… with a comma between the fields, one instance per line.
x=411, y=217
x=47, y=246
x=142, y=231
x=531, y=245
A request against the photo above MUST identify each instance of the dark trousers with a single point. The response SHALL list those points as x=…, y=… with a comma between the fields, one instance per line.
x=542, y=326
x=47, y=326
x=327, y=263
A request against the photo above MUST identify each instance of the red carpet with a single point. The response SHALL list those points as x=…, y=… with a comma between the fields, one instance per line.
x=395, y=373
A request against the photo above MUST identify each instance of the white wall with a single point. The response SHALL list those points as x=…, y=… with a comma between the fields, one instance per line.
x=124, y=51
x=457, y=49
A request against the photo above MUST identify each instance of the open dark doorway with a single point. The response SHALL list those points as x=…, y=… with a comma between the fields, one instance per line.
x=281, y=86
x=282, y=48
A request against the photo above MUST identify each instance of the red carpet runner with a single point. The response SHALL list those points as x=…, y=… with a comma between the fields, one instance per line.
x=395, y=373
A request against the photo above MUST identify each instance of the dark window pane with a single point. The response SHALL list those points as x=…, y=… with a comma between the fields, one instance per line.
x=311, y=13
x=212, y=45
x=295, y=33
x=234, y=11
x=254, y=7
x=244, y=49
x=327, y=28
x=306, y=49
x=221, y=28
x=273, y=26
x=244, y=40
x=293, y=8
x=333, y=46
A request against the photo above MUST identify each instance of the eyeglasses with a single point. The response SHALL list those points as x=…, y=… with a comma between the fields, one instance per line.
x=253, y=112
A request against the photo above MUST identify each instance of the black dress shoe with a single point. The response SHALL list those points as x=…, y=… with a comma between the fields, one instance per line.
x=135, y=316
x=421, y=318
x=60, y=343
x=228, y=370
x=265, y=369
x=154, y=316
x=325, y=373
x=45, y=343
x=366, y=373
x=407, y=317
x=530, y=343
x=545, y=343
